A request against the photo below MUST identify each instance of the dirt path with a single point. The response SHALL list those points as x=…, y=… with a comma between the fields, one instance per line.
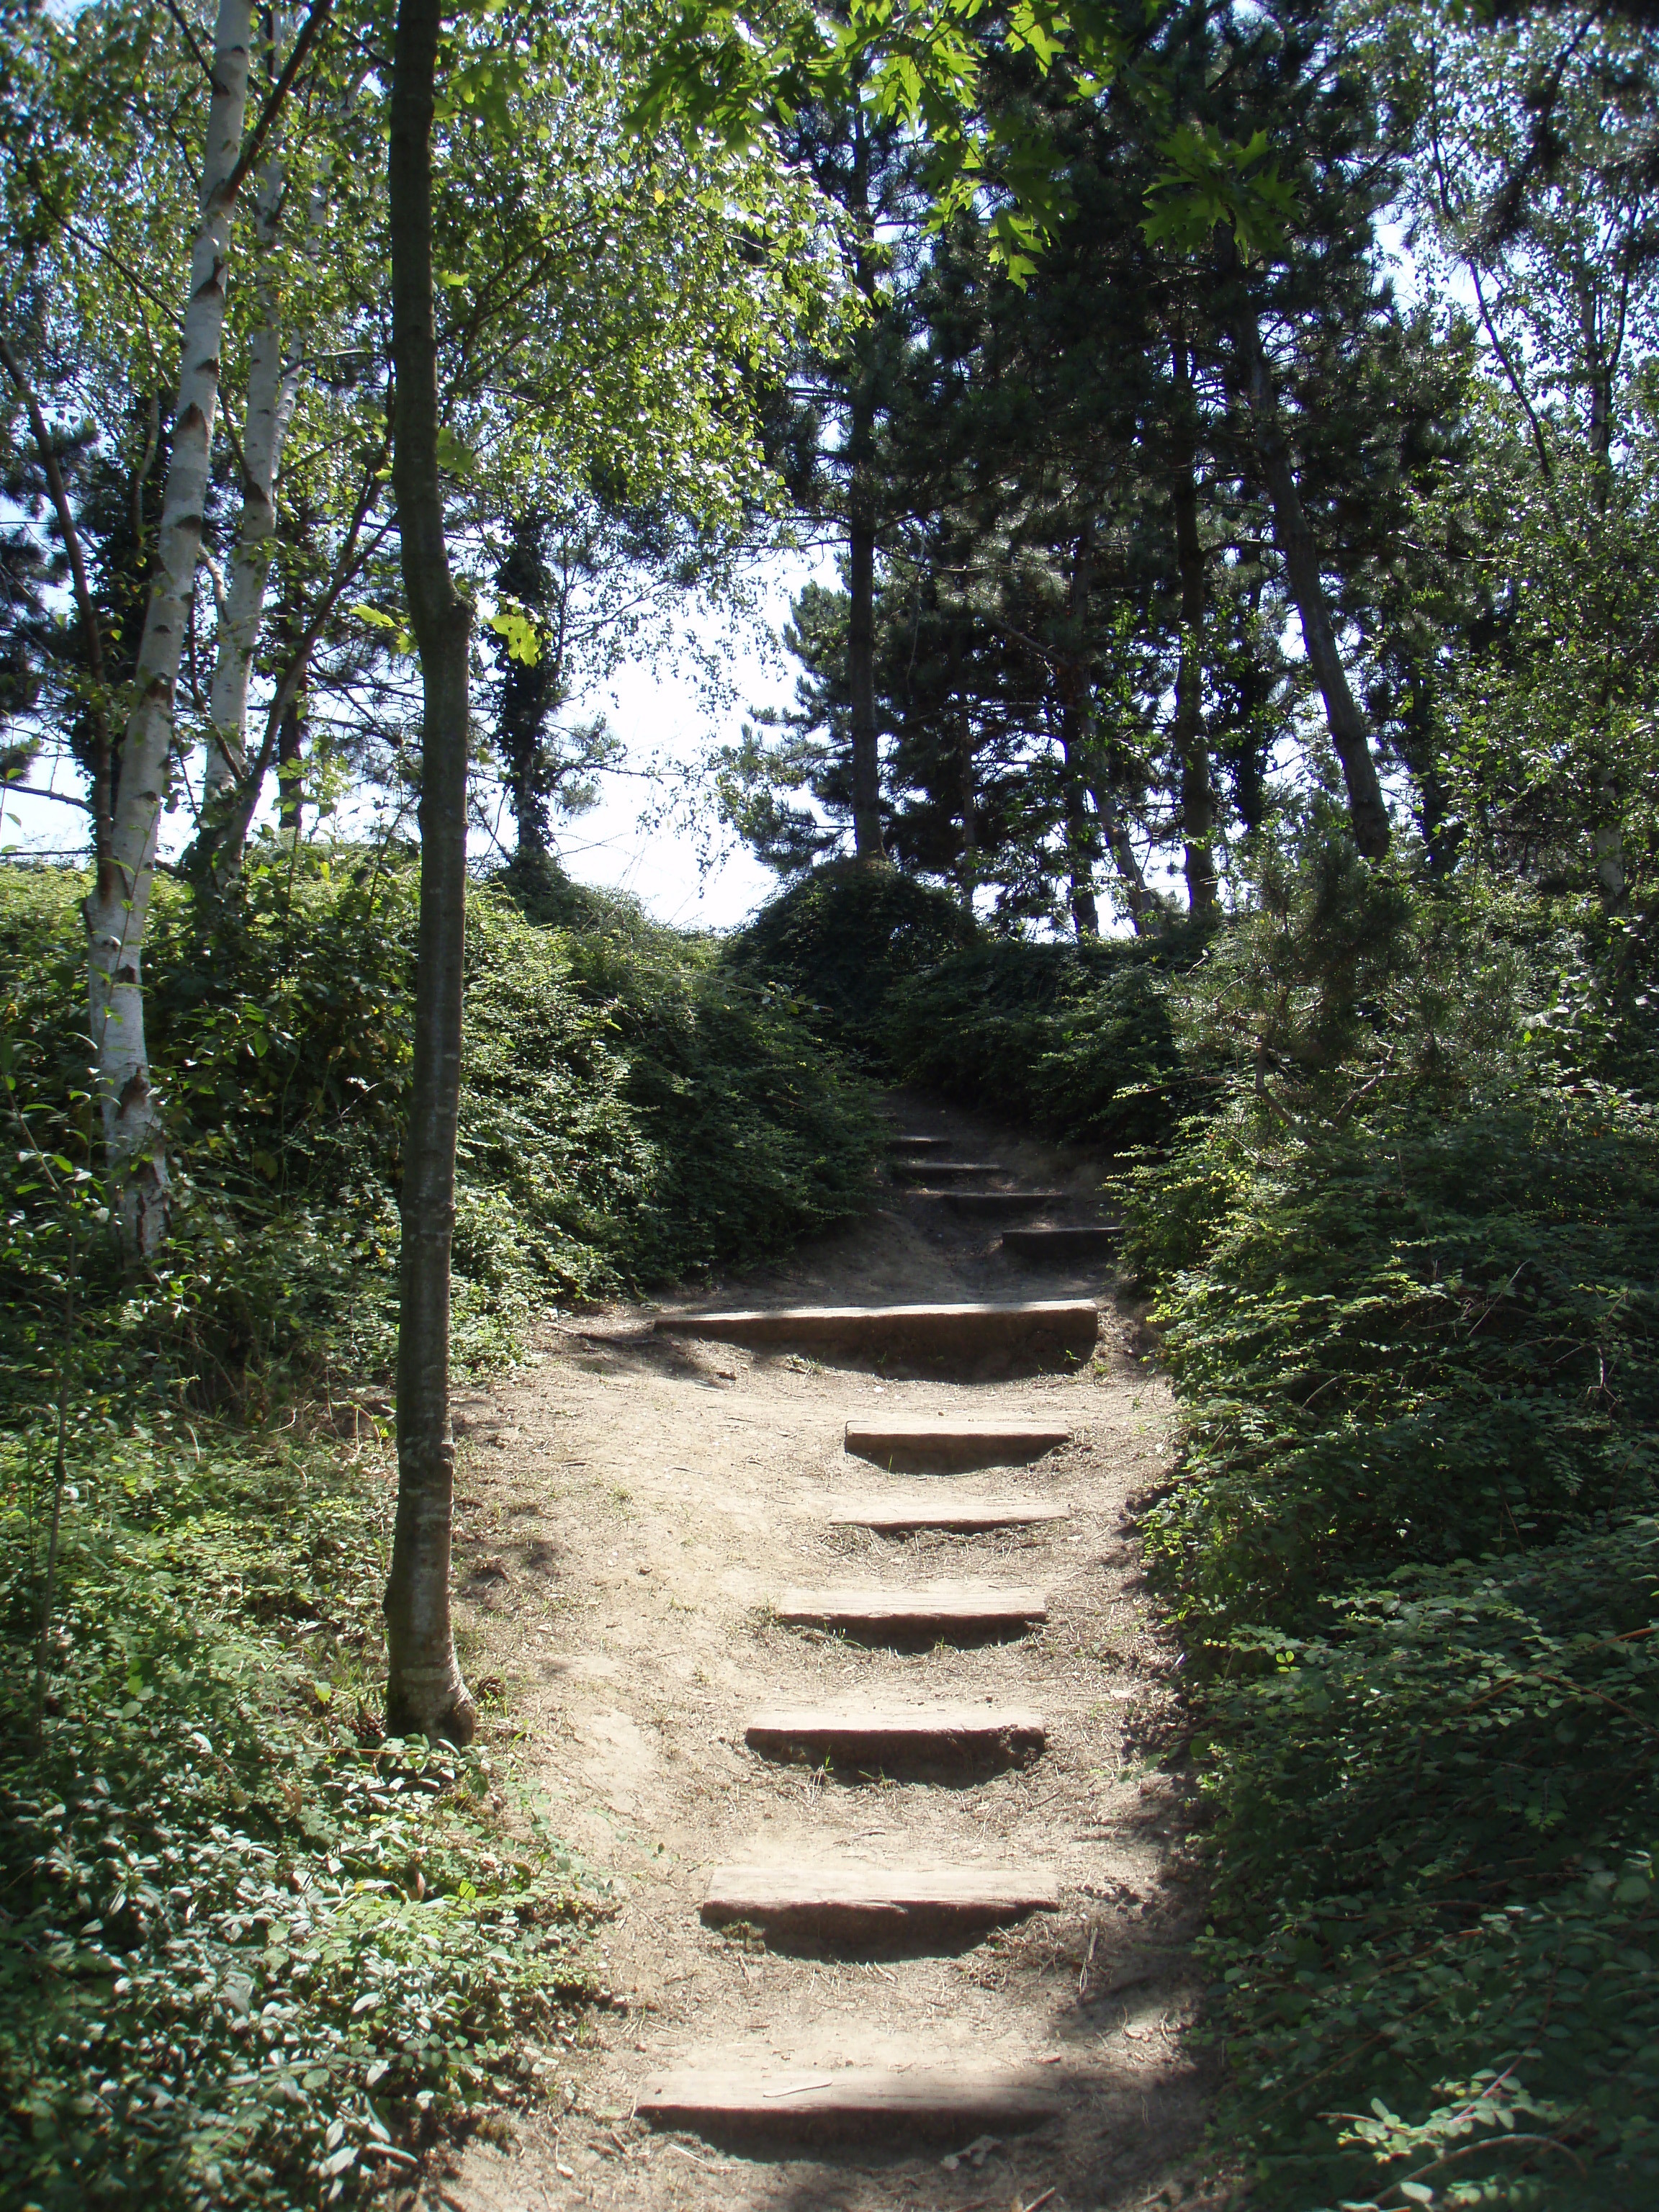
x=630, y=1510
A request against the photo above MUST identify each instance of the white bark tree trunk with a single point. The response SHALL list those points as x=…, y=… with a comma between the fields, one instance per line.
x=273, y=384
x=118, y=909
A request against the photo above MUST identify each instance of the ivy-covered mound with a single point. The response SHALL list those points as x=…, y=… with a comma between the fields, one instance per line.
x=1406, y=1277
x=633, y=1110
x=252, y=1957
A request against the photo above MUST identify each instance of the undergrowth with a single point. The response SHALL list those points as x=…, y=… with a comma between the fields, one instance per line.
x=1074, y=1040
x=1404, y=1278
x=252, y=1956
x=633, y=1111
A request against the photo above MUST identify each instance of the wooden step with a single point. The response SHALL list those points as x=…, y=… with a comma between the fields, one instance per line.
x=934, y=1510
x=1038, y=1325
x=953, y=2100
x=995, y=1201
x=863, y=1901
x=909, y=1169
x=921, y=1143
x=913, y=1446
x=897, y=1732
x=1080, y=1243
x=924, y=1609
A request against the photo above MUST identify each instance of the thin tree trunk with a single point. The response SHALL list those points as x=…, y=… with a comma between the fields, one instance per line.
x=867, y=840
x=1119, y=843
x=425, y=1693
x=968, y=869
x=290, y=767
x=1191, y=747
x=118, y=908
x=1073, y=733
x=1367, y=810
x=273, y=384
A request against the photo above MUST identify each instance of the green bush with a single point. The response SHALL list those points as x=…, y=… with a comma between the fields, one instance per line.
x=1404, y=1273
x=1420, y=1336
x=1435, y=1920
x=1075, y=1040
x=248, y=1960
x=632, y=1110
x=840, y=938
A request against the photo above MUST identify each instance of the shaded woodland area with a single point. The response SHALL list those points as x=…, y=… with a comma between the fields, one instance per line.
x=1226, y=740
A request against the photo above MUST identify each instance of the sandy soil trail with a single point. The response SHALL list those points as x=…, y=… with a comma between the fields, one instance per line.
x=633, y=1510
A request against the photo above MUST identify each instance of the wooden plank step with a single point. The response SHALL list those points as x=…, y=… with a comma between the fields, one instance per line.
x=995, y=1201
x=945, y=1510
x=864, y=1900
x=911, y=1446
x=870, y=1731
x=955, y=2100
x=921, y=1143
x=1078, y=1243
x=924, y=1608
x=909, y=1168
x=1037, y=1325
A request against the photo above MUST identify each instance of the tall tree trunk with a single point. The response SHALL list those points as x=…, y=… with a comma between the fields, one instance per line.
x=1143, y=908
x=1074, y=742
x=968, y=867
x=867, y=840
x=1191, y=747
x=273, y=384
x=1366, y=812
x=118, y=908
x=290, y=767
x=425, y=1693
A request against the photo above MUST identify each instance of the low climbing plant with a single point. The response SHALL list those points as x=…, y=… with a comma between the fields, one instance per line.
x=253, y=1957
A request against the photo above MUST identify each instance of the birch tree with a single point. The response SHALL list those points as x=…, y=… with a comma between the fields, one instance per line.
x=117, y=906
x=273, y=377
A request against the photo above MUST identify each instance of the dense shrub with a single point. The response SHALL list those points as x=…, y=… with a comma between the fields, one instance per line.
x=1404, y=1275
x=248, y=1962
x=1435, y=1913
x=631, y=1110
x=1423, y=1335
x=1075, y=1040
x=840, y=938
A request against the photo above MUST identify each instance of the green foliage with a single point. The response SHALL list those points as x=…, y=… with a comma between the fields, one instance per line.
x=841, y=937
x=1420, y=1337
x=1404, y=1275
x=1072, y=1039
x=1435, y=1910
x=250, y=1960
x=631, y=1110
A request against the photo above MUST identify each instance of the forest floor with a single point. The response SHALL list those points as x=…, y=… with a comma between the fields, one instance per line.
x=630, y=1508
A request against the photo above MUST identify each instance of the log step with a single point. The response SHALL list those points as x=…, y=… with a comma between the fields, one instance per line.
x=1033, y=1324
x=946, y=1511
x=932, y=1167
x=897, y=1731
x=924, y=1609
x=921, y=1143
x=957, y=2100
x=913, y=1446
x=859, y=1900
x=995, y=1201
x=1080, y=1242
